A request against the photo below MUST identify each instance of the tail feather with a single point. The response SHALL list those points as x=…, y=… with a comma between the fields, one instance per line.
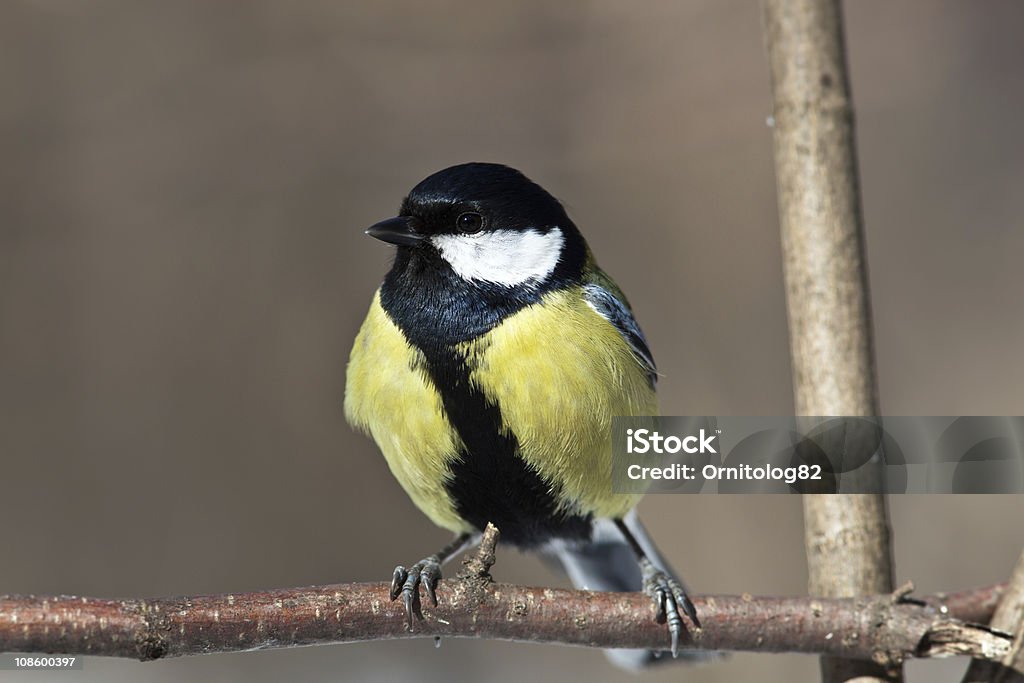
x=607, y=563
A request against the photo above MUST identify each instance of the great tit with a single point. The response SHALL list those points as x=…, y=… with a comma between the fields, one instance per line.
x=488, y=370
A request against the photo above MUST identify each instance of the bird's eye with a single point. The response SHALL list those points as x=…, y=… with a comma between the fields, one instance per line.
x=469, y=222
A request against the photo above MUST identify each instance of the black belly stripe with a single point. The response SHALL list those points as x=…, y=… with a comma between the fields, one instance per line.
x=490, y=482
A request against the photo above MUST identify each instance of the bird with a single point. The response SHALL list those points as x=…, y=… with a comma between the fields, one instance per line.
x=488, y=369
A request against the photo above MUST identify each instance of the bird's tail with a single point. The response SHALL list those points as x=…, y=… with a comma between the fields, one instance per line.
x=608, y=563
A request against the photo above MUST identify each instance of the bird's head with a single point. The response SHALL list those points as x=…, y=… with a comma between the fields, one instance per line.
x=489, y=224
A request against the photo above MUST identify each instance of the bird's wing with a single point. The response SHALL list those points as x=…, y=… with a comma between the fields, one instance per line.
x=605, y=298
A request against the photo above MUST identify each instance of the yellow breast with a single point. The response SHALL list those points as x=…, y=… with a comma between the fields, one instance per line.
x=389, y=395
x=560, y=372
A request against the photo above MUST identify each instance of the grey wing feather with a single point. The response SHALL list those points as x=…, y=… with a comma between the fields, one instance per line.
x=609, y=307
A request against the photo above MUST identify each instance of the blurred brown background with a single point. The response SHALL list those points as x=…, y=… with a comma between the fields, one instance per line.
x=183, y=188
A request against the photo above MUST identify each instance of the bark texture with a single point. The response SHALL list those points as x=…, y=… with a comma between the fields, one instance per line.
x=847, y=537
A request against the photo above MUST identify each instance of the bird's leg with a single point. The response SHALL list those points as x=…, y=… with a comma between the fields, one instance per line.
x=670, y=599
x=406, y=582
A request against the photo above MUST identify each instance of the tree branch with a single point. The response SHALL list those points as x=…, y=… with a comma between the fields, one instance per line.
x=1008, y=617
x=847, y=537
x=976, y=605
x=884, y=629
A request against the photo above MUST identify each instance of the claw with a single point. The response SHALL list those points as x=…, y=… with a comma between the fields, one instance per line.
x=397, y=580
x=670, y=601
x=688, y=608
x=406, y=582
x=675, y=623
x=411, y=595
x=430, y=575
x=659, y=597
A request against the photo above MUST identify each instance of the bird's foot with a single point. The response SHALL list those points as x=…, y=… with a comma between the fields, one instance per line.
x=406, y=582
x=670, y=600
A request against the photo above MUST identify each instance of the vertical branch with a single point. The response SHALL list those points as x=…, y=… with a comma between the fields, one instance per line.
x=846, y=536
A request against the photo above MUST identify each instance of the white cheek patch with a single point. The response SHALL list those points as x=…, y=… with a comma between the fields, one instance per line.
x=505, y=257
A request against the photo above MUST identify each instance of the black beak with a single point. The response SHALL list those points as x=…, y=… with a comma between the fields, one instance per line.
x=400, y=230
